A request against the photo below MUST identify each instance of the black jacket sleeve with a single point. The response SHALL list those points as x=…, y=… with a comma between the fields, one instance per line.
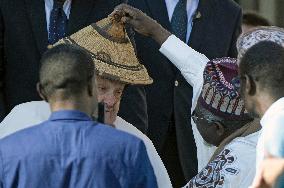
x=238, y=30
x=2, y=104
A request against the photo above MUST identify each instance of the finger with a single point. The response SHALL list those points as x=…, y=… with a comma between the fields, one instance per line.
x=117, y=12
x=128, y=10
x=129, y=21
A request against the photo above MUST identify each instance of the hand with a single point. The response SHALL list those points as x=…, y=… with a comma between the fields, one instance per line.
x=141, y=23
x=270, y=170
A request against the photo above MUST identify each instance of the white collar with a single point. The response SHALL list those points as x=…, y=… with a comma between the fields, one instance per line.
x=272, y=111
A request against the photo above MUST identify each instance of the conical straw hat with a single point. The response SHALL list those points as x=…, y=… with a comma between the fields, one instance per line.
x=112, y=51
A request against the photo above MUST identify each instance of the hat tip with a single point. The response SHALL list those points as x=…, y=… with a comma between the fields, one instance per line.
x=117, y=28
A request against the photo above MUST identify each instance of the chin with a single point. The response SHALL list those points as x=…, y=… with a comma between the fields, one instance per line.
x=207, y=144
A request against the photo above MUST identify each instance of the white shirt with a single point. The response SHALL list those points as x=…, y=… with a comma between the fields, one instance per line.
x=191, y=8
x=232, y=168
x=49, y=6
x=160, y=171
x=191, y=64
x=32, y=113
x=271, y=140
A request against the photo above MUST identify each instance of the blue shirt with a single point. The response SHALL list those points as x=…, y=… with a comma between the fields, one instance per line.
x=70, y=150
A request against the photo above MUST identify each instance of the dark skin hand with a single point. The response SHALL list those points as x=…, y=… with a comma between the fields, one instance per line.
x=141, y=23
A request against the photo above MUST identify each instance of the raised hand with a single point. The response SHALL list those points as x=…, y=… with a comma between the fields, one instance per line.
x=141, y=23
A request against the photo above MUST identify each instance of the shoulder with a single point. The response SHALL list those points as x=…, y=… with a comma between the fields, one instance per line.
x=228, y=169
x=124, y=126
x=229, y=8
x=23, y=116
x=228, y=5
x=248, y=143
x=118, y=136
x=14, y=144
x=31, y=107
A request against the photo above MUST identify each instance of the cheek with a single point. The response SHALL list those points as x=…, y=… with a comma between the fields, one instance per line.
x=202, y=130
x=116, y=107
x=100, y=98
x=206, y=132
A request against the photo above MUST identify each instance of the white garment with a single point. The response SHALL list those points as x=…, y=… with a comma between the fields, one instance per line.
x=271, y=140
x=191, y=64
x=160, y=171
x=191, y=7
x=49, y=6
x=32, y=113
x=232, y=168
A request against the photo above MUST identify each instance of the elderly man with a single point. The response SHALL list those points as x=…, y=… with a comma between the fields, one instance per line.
x=218, y=113
x=70, y=149
x=116, y=67
x=27, y=27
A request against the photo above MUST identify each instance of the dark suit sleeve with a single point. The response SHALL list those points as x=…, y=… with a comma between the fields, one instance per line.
x=2, y=105
x=238, y=29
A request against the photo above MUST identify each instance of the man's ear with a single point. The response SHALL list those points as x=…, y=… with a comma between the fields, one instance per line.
x=250, y=85
x=90, y=87
x=220, y=129
x=41, y=92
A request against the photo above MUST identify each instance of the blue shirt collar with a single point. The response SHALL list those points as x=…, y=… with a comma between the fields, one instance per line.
x=69, y=115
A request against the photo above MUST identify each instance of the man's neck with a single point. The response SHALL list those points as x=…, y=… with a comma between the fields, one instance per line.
x=263, y=103
x=69, y=105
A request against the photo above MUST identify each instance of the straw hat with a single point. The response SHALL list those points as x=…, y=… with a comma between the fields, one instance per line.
x=111, y=50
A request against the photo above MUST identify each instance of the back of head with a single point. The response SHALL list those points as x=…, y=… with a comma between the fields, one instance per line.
x=254, y=19
x=65, y=68
x=264, y=62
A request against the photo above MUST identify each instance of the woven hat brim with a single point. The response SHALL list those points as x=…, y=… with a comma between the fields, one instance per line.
x=115, y=59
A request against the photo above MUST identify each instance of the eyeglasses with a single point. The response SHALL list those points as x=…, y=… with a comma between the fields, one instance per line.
x=196, y=118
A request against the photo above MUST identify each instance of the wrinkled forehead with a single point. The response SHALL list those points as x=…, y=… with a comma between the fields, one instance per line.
x=108, y=81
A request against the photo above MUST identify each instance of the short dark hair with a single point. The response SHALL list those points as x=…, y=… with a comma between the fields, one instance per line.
x=254, y=19
x=67, y=68
x=264, y=62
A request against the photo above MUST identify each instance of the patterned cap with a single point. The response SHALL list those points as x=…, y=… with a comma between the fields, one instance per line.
x=249, y=39
x=220, y=93
x=112, y=51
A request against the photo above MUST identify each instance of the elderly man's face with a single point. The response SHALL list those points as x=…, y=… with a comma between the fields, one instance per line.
x=110, y=92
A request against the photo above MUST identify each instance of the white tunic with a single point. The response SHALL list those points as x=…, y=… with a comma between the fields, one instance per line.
x=191, y=64
x=32, y=113
x=232, y=168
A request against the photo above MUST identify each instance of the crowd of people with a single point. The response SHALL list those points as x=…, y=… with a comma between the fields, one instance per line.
x=172, y=93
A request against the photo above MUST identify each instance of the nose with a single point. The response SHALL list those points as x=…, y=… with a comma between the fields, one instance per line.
x=110, y=100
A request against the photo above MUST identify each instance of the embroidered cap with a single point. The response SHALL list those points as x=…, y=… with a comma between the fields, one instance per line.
x=249, y=39
x=111, y=50
x=220, y=89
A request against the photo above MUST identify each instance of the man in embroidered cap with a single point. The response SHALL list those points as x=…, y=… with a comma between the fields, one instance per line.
x=116, y=67
x=261, y=72
x=218, y=113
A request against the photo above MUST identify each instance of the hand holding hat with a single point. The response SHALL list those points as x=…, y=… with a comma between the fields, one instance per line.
x=141, y=23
